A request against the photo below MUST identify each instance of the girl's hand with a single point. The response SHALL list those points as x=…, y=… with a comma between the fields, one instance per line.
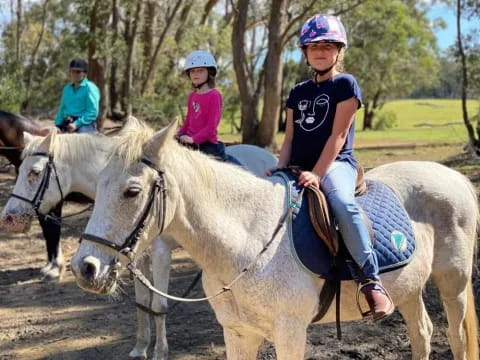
x=186, y=139
x=308, y=178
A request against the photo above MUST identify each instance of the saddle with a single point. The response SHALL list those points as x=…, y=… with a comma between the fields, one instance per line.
x=320, y=216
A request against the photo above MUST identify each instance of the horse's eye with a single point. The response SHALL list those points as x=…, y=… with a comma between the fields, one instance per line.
x=132, y=192
x=34, y=172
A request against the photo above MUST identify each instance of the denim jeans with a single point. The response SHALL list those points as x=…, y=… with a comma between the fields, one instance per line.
x=216, y=150
x=90, y=128
x=338, y=185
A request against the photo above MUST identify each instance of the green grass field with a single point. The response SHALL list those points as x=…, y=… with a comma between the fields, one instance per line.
x=422, y=121
x=419, y=121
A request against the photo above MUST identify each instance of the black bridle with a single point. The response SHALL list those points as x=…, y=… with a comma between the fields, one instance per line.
x=128, y=246
x=36, y=202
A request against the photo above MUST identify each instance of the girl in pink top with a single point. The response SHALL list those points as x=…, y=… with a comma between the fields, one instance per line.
x=204, y=107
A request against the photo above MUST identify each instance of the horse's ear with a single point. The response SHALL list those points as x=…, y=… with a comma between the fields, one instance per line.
x=49, y=141
x=27, y=137
x=131, y=123
x=161, y=138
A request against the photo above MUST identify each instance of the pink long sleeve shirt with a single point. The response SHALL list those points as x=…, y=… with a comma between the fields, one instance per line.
x=203, y=116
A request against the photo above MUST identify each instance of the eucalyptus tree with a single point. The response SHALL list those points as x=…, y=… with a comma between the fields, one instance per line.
x=392, y=51
x=261, y=32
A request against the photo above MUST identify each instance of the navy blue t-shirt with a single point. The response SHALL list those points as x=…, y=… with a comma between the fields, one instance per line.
x=314, y=106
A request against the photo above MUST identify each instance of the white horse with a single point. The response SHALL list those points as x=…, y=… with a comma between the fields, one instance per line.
x=78, y=159
x=224, y=216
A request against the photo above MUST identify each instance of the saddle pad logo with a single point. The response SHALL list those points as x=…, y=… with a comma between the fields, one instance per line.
x=399, y=240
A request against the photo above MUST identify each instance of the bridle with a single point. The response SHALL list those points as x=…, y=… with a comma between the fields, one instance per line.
x=36, y=202
x=129, y=245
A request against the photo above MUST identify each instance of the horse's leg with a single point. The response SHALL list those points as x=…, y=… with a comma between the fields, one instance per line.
x=241, y=346
x=289, y=337
x=161, y=260
x=451, y=273
x=142, y=296
x=457, y=296
x=51, y=232
x=419, y=325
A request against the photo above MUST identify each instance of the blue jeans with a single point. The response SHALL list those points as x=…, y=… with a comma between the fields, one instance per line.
x=90, y=128
x=338, y=185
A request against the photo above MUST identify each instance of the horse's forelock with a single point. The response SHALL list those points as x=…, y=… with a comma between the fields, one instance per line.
x=130, y=145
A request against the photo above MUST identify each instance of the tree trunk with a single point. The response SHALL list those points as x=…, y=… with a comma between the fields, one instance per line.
x=115, y=106
x=474, y=143
x=19, y=29
x=273, y=75
x=33, y=57
x=149, y=26
x=248, y=96
x=367, y=117
x=98, y=62
x=184, y=16
x=132, y=37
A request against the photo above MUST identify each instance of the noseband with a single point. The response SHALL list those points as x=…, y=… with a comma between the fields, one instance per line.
x=128, y=246
x=36, y=202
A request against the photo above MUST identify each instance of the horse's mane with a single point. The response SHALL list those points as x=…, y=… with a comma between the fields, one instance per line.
x=73, y=147
x=130, y=144
x=131, y=147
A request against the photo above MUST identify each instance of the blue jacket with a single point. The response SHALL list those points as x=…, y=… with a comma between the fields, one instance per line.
x=82, y=103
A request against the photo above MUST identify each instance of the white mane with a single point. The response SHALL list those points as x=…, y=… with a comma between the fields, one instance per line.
x=72, y=147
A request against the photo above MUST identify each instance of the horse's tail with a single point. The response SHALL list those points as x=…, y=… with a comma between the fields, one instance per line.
x=473, y=192
x=470, y=326
x=470, y=323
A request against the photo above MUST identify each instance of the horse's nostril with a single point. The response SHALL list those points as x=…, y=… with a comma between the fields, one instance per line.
x=88, y=270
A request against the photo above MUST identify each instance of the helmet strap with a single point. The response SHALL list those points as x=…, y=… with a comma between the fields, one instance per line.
x=199, y=86
x=324, y=71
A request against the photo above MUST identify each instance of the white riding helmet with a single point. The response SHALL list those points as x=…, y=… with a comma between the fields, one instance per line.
x=199, y=58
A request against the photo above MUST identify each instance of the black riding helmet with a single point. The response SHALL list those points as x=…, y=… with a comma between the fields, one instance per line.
x=79, y=64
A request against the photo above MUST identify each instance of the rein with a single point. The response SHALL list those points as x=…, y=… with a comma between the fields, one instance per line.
x=127, y=248
x=11, y=147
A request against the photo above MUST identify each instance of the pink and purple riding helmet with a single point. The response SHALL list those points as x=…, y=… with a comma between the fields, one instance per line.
x=323, y=28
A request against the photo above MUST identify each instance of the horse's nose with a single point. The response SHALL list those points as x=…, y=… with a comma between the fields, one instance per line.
x=89, y=268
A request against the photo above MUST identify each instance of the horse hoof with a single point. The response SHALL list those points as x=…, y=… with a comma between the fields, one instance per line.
x=54, y=274
x=138, y=355
x=44, y=270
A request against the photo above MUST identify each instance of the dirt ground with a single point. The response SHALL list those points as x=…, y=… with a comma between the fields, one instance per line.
x=40, y=320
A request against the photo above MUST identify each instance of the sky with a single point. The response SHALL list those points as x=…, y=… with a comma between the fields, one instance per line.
x=446, y=37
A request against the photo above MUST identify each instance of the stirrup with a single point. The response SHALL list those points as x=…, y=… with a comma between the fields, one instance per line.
x=368, y=313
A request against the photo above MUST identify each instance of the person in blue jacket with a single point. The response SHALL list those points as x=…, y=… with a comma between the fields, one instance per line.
x=79, y=106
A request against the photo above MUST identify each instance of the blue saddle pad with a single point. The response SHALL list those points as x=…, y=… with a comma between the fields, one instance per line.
x=233, y=160
x=393, y=232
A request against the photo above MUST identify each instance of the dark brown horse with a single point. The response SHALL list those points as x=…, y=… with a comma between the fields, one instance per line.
x=11, y=146
x=11, y=135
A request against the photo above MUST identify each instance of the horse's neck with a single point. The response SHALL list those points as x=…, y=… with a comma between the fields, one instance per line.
x=84, y=173
x=224, y=223
x=84, y=179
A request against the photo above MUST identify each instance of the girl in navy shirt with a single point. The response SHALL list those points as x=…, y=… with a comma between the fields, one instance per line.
x=319, y=140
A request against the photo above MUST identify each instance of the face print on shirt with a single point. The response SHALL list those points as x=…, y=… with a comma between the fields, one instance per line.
x=196, y=106
x=313, y=113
